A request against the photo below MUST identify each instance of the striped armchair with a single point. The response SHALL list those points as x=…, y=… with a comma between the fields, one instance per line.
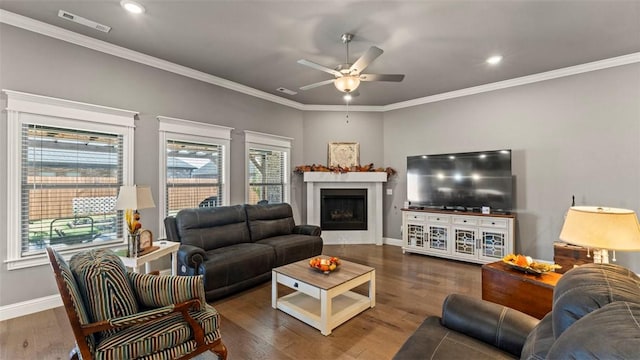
x=115, y=314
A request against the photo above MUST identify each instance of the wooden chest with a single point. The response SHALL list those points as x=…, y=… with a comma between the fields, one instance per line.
x=528, y=293
x=568, y=256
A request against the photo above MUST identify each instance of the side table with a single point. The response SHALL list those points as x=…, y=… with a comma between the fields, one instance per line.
x=528, y=293
x=166, y=248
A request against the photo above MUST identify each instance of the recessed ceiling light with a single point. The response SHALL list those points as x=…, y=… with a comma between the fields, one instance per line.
x=494, y=60
x=132, y=6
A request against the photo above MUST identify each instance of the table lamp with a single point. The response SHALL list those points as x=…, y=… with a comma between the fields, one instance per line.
x=601, y=229
x=132, y=198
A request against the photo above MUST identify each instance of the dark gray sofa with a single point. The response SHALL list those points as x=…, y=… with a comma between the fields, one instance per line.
x=595, y=315
x=235, y=247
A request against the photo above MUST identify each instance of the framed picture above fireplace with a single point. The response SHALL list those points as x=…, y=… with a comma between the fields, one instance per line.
x=343, y=154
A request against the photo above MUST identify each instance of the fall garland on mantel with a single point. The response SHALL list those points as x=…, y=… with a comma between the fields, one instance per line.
x=340, y=169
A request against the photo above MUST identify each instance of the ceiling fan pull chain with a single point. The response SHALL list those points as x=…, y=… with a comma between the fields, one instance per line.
x=347, y=112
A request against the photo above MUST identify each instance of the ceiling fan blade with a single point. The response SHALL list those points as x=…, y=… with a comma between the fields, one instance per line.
x=365, y=60
x=382, y=77
x=315, y=85
x=319, y=67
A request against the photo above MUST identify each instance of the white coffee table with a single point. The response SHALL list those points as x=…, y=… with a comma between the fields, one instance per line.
x=166, y=248
x=323, y=301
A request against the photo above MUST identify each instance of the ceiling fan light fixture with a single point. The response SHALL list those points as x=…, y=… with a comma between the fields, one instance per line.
x=347, y=83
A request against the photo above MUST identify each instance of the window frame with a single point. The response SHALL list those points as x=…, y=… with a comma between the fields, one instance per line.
x=170, y=128
x=263, y=141
x=25, y=108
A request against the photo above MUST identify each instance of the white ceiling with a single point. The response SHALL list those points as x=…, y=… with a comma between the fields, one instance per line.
x=440, y=46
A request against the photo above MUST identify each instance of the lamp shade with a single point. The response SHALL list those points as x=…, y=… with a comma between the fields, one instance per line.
x=601, y=228
x=134, y=197
x=347, y=83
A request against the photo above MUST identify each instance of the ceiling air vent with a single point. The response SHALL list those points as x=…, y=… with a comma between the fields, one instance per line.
x=86, y=22
x=286, y=91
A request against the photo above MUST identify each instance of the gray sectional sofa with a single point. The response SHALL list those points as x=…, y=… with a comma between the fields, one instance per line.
x=235, y=247
x=595, y=315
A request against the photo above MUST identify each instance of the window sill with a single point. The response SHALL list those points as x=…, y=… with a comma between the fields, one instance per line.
x=42, y=259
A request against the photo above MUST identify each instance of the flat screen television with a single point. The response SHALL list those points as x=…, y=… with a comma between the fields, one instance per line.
x=461, y=181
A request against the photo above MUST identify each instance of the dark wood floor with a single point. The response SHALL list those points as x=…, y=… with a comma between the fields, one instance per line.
x=408, y=288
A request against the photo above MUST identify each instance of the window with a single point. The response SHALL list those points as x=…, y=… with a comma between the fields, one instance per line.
x=267, y=168
x=194, y=173
x=67, y=161
x=194, y=168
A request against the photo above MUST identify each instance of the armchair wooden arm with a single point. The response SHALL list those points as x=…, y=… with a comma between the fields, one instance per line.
x=142, y=317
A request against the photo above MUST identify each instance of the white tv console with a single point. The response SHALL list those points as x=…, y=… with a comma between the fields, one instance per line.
x=466, y=236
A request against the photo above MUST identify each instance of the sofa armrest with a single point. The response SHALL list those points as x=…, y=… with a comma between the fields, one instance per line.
x=498, y=325
x=190, y=256
x=307, y=230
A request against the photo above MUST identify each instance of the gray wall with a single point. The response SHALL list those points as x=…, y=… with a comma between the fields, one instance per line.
x=323, y=127
x=41, y=65
x=577, y=135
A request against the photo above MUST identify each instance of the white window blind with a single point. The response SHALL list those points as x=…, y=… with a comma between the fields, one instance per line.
x=194, y=175
x=69, y=184
x=267, y=169
x=268, y=174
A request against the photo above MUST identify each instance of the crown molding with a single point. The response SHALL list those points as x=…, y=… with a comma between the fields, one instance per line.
x=524, y=80
x=39, y=27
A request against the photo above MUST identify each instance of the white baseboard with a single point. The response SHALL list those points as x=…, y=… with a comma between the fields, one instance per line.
x=29, y=307
x=41, y=304
x=392, y=241
x=385, y=241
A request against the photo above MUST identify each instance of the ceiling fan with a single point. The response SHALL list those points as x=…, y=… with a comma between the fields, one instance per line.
x=348, y=76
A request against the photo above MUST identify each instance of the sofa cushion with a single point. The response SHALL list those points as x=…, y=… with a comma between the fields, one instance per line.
x=611, y=332
x=291, y=248
x=433, y=341
x=539, y=340
x=589, y=287
x=236, y=263
x=103, y=281
x=213, y=227
x=269, y=220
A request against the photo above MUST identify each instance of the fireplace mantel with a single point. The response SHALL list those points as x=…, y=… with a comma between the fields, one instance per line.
x=372, y=181
x=320, y=176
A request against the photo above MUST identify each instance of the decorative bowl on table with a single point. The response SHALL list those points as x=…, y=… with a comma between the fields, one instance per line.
x=324, y=265
x=527, y=265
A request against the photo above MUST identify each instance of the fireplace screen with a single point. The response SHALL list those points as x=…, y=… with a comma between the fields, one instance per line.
x=343, y=209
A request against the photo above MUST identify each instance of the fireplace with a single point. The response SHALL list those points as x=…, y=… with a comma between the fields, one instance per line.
x=343, y=209
x=371, y=181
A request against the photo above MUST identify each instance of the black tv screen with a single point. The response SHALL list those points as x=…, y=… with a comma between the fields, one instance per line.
x=461, y=181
